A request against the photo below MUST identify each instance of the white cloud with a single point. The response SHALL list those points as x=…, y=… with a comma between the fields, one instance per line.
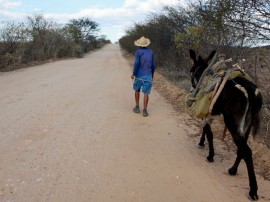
x=10, y=16
x=132, y=10
x=148, y=5
x=114, y=19
x=7, y=4
x=131, y=4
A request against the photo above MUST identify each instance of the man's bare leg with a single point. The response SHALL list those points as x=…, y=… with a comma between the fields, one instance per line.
x=145, y=103
x=137, y=98
x=145, y=100
x=136, y=109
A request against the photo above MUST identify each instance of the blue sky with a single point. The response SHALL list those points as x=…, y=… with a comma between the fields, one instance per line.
x=113, y=16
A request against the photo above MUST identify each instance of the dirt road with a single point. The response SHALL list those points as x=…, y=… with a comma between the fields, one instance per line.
x=68, y=134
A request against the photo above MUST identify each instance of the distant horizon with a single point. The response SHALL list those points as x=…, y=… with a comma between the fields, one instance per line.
x=113, y=17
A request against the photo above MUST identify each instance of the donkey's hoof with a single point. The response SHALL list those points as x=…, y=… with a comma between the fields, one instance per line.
x=201, y=145
x=210, y=159
x=253, y=196
x=232, y=171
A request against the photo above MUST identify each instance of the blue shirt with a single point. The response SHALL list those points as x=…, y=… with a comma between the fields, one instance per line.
x=144, y=64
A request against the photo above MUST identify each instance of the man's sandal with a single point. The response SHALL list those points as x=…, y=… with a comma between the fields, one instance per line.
x=136, y=109
x=145, y=114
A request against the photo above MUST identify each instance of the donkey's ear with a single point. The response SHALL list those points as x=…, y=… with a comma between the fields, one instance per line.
x=212, y=54
x=192, y=55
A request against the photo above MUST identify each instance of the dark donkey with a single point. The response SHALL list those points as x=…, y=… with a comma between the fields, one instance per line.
x=240, y=110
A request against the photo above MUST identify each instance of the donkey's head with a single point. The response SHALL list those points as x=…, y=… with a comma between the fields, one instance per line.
x=199, y=65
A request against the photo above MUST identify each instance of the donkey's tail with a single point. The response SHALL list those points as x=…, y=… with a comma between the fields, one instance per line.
x=256, y=107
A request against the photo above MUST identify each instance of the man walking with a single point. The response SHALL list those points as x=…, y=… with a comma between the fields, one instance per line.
x=143, y=72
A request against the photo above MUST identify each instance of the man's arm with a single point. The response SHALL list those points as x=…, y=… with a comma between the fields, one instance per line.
x=153, y=66
x=136, y=63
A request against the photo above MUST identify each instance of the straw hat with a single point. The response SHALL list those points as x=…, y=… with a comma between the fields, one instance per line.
x=142, y=42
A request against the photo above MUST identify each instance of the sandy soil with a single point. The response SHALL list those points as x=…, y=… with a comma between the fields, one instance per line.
x=68, y=133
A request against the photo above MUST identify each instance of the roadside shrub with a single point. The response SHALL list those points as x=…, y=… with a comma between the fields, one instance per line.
x=39, y=39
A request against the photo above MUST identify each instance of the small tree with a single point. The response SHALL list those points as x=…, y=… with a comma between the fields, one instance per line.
x=84, y=32
x=12, y=40
x=83, y=29
x=41, y=31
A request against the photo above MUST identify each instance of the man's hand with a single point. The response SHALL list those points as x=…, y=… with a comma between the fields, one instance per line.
x=132, y=76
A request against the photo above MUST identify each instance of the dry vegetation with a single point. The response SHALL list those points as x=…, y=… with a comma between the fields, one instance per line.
x=38, y=40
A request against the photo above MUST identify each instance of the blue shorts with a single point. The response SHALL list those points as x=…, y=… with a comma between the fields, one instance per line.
x=144, y=83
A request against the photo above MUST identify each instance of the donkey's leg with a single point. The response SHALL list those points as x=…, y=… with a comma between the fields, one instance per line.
x=202, y=140
x=237, y=138
x=245, y=152
x=233, y=169
x=251, y=173
x=209, y=136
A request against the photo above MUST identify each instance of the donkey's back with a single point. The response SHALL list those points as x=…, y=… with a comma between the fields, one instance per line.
x=240, y=103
